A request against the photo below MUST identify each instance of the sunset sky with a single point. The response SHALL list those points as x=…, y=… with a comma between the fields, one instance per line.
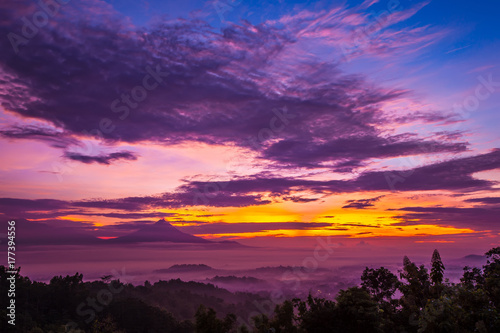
x=255, y=121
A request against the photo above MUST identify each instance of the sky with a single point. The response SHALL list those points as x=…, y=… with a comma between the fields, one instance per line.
x=270, y=124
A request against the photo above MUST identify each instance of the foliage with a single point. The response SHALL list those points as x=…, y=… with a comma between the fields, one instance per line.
x=207, y=321
x=427, y=305
x=437, y=270
x=380, y=283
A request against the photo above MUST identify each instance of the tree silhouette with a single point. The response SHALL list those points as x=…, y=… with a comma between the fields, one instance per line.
x=380, y=283
x=469, y=306
x=207, y=321
x=437, y=270
x=492, y=275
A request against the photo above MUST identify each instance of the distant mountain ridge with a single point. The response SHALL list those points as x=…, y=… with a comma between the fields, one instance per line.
x=185, y=268
x=161, y=231
x=236, y=279
x=475, y=257
x=42, y=233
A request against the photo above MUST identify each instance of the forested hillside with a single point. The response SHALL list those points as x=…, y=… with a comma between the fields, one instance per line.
x=418, y=299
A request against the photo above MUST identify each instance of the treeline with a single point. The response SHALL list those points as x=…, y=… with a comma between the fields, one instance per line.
x=418, y=300
x=67, y=304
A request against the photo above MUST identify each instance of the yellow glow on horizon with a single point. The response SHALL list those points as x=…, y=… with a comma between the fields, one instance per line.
x=265, y=213
x=374, y=221
x=77, y=219
x=435, y=241
x=353, y=232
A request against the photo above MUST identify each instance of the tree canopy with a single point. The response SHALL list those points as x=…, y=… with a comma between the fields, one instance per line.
x=415, y=302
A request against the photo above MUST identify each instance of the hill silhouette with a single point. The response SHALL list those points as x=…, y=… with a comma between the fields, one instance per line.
x=161, y=231
x=185, y=268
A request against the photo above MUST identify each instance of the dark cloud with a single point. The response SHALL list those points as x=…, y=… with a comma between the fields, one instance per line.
x=181, y=80
x=430, y=117
x=175, y=200
x=454, y=175
x=487, y=200
x=299, y=199
x=242, y=227
x=362, y=203
x=472, y=218
x=20, y=207
x=54, y=138
x=101, y=159
x=358, y=225
x=350, y=151
x=451, y=175
x=132, y=215
x=55, y=232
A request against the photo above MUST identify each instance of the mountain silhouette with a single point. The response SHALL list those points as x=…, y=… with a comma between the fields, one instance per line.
x=161, y=231
x=185, y=268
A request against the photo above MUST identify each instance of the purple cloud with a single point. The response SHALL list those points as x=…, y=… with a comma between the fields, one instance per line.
x=362, y=203
x=54, y=138
x=242, y=227
x=181, y=81
x=18, y=207
x=139, y=215
x=487, y=200
x=174, y=200
x=453, y=175
x=101, y=159
x=473, y=218
x=349, y=152
x=43, y=233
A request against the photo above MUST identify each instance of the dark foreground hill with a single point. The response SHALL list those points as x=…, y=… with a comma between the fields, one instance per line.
x=427, y=303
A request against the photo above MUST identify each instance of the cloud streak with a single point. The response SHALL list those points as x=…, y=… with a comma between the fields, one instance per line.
x=101, y=159
x=454, y=175
x=362, y=203
x=475, y=218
